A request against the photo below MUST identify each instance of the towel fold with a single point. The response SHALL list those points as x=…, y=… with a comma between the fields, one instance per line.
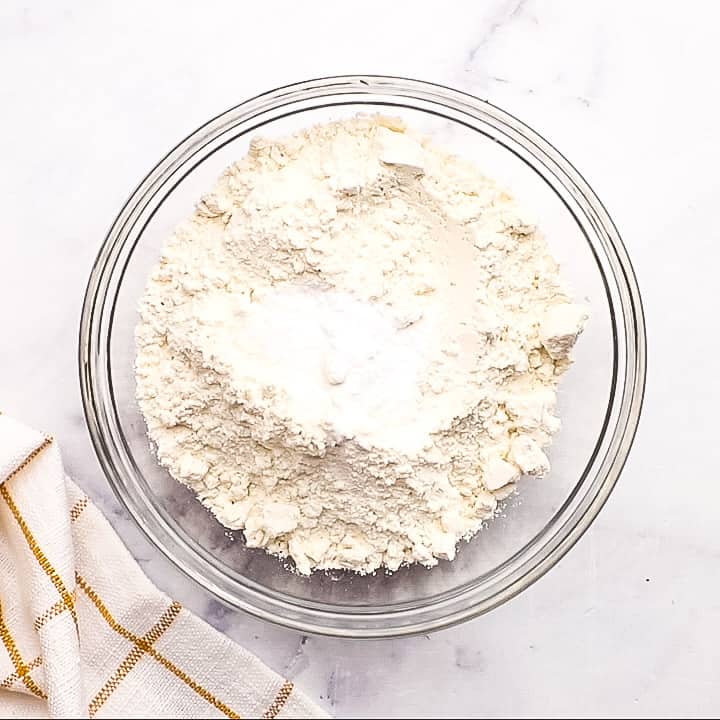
x=83, y=632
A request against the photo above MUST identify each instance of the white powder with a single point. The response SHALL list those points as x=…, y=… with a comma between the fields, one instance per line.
x=352, y=349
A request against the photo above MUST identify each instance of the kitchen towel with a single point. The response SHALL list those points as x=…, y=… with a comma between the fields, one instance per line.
x=85, y=634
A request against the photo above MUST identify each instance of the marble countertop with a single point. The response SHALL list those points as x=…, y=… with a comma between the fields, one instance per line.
x=94, y=93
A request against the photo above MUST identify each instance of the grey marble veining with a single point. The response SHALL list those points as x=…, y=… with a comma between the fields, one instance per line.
x=94, y=93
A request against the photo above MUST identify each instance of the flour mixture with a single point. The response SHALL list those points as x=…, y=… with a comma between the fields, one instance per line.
x=351, y=350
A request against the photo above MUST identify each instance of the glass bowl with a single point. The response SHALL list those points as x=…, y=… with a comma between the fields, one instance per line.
x=599, y=401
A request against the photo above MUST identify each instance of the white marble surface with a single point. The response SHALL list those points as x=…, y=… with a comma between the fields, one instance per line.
x=93, y=93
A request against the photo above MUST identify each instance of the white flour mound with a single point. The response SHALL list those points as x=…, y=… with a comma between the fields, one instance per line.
x=351, y=350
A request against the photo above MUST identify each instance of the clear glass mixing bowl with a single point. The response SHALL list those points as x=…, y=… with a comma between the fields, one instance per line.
x=600, y=397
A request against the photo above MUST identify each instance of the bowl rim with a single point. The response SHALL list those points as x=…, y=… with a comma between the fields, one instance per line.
x=95, y=381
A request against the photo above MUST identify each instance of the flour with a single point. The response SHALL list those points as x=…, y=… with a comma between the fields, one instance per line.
x=351, y=350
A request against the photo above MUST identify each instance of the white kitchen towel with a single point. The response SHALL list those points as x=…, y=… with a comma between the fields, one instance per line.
x=84, y=633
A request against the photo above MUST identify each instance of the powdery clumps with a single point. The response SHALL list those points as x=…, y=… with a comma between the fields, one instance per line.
x=352, y=349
